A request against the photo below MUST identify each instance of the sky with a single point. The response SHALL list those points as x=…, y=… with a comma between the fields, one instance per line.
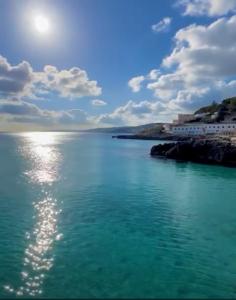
x=78, y=64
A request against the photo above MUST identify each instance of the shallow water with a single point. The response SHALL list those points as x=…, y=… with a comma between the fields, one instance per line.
x=87, y=216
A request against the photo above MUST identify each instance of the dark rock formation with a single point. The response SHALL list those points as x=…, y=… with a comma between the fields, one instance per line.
x=203, y=151
x=160, y=137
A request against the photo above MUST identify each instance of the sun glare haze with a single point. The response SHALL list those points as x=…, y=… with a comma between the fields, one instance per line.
x=41, y=24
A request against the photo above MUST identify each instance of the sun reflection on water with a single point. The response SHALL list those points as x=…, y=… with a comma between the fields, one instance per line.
x=43, y=153
x=41, y=150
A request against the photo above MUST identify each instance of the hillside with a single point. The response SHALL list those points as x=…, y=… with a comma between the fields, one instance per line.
x=156, y=129
x=224, y=111
x=216, y=112
x=126, y=129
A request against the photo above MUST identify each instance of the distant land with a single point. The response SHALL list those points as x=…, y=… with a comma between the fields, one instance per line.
x=224, y=111
x=126, y=129
x=215, y=112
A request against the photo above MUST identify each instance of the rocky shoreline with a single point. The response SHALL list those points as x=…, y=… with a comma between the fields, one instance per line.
x=160, y=137
x=205, y=151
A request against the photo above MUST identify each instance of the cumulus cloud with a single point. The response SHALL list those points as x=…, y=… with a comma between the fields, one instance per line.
x=24, y=112
x=19, y=84
x=201, y=67
x=191, y=99
x=133, y=113
x=201, y=50
x=19, y=108
x=72, y=83
x=163, y=25
x=135, y=83
x=15, y=80
x=153, y=74
x=210, y=8
x=19, y=81
x=98, y=102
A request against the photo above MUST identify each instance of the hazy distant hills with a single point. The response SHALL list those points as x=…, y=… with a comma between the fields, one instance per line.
x=216, y=112
x=126, y=129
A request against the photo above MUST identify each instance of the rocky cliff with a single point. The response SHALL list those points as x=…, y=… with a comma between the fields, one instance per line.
x=203, y=151
x=157, y=137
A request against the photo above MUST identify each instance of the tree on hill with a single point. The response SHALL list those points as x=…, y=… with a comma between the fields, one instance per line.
x=208, y=109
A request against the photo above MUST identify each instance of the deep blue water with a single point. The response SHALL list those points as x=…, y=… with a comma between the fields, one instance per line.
x=88, y=216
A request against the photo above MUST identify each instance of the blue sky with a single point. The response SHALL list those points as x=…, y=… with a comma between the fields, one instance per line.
x=104, y=51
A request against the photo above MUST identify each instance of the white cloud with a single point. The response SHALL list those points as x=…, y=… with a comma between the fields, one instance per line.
x=18, y=81
x=98, y=102
x=210, y=8
x=24, y=112
x=200, y=68
x=72, y=83
x=135, y=83
x=163, y=25
x=134, y=113
x=19, y=108
x=202, y=52
x=153, y=74
x=131, y=113
x=15, y=80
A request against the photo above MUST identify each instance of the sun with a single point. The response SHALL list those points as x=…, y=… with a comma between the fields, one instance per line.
x=41, y=24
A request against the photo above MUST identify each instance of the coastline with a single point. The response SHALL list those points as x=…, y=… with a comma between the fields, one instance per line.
x=207, y=151
x=216, y=150
x=160, y=137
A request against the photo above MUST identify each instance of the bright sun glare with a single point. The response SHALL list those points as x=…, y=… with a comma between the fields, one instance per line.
x=41, y=24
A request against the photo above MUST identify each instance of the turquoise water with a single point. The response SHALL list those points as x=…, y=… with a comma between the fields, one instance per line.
x=87, y=216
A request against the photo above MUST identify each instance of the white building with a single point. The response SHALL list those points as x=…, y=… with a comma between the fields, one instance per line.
x=182, y=118
x=167, y=127
x=203, y=129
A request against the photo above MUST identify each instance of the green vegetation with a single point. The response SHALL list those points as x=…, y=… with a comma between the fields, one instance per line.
x=220, y=111
x=153, y=131
x=228, y=105
x=125, y=129
x=208, y=109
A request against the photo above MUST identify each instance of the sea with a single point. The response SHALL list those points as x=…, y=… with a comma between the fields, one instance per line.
x=83, y=215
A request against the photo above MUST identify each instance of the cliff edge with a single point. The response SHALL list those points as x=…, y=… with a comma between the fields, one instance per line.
x=203, y=151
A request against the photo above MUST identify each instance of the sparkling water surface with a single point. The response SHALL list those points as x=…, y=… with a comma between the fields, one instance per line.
x=88, y=216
